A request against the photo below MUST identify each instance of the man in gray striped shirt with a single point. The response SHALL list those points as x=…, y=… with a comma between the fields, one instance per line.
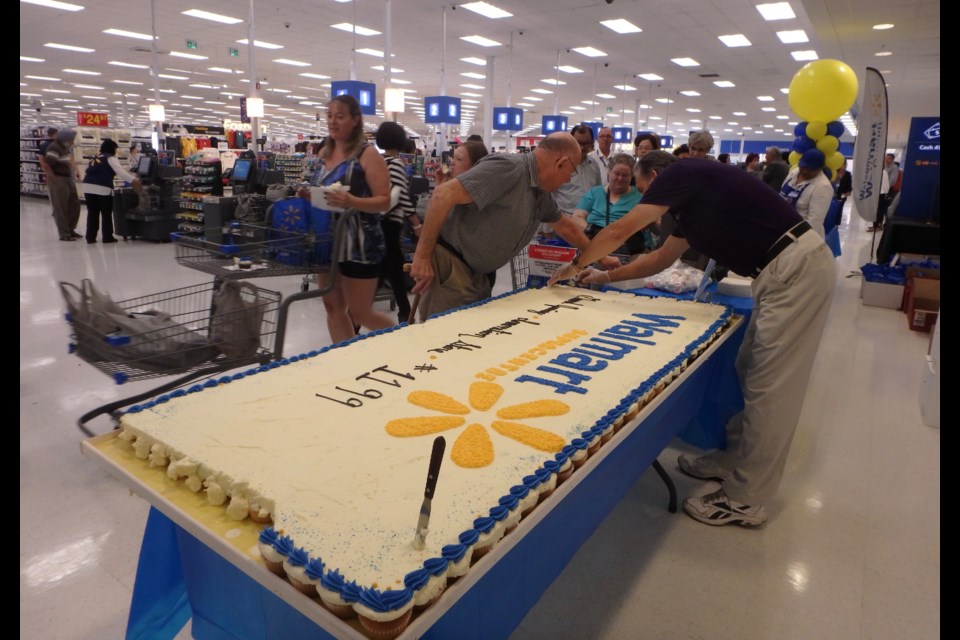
x=476, y=222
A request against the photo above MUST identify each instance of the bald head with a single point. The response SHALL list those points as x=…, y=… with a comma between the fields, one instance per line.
x=557, y=157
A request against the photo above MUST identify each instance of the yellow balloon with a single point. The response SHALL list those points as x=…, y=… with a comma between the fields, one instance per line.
x=794, y=158
x=823, y=90
x=835, y=161
x=816, y=130
x=828, y=144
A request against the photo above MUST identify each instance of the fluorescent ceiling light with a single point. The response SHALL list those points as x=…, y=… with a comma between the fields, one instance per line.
x=130, y=82
x=645, y=106
x=793, y=37
x=878, y=27
x=735, y=40
x=765, y=98
x=188, y=56
x=278, y=90
x=534, y=98
x=785, y=91
x=376, y=53
x=553, y=81
x=29, y=59
x=802, y=56
x=200, y=85
x=628, y=110
x=740, y=114
x=655, y=118
x=776, y=11
x=578, y=108
x=691, y=93
x=88, y=86
x=55, y=90
x=470, y=94
x=567, y=113
x=171, y=77
x=46, y=78
x=624, y=87
x=480, y=62
x=82, y=72
x=292, y=63
x=129, y=34
x=589, y=102
x=231, y=94
x=191, y=97
x=620, y=25
x=714, y=117
x=685, y=62
x=724, y=84
x=606, y=96
x=214, y=17
x=881, y=54
x=261, y=44
x=379, y=67
x=652, y=77
x=783, y=117
x=360, y=31
x=590, y=52
x=318, y=76
x=768, y=109
x=470, y=101
x=94, y=97
x=768, y=126
x=220, y=69
x=487, y=10
x=66, y=6
x=480, y=40
x=664, y=100
x=568, y=69
x=693, y=110
x=399, y=81
x=129, y=65
x=471, y=74
x=68, y=47
x=539, y=90
x=470, y=85
x=168, y=91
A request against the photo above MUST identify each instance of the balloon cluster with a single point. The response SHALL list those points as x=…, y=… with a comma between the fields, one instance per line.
x=820, y=92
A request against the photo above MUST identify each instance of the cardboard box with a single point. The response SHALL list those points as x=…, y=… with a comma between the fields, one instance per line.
x=923, y=304
x=881, y=294
x=922, y=272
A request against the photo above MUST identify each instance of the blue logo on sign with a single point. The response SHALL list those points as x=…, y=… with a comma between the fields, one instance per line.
x=933, y=133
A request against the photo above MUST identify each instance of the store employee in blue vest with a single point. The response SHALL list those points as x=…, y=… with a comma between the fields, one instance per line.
x=728, y=215
x=98, y=190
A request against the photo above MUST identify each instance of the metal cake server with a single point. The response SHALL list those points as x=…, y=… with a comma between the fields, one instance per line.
x=436, y=458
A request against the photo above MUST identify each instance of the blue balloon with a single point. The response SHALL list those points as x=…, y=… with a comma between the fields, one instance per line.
x=800, y=130
x=802, y=144
x=835, y=128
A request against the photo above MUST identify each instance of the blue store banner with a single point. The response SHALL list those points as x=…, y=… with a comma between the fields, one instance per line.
x=920, y=184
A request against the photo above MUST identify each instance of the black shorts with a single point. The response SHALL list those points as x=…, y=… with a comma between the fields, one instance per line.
x=360, y=270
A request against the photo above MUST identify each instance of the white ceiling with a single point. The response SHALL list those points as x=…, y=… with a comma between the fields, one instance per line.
x=840, y=29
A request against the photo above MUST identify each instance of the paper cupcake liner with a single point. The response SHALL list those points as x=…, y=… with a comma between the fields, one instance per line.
x=385, y=630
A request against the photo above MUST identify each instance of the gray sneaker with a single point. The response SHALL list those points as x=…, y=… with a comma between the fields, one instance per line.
x=702, y=468
x=717, y=509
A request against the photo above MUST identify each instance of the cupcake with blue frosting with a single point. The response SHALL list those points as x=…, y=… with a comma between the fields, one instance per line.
x=295, y=566
x=490, y=534
x=528, y=499
x=512, y=504
x=384, y=614
x=272, y=558
x=459, y=556
x=427, y=583
x=337, y=595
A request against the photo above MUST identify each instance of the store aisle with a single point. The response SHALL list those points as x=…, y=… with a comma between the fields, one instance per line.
x=853, y=550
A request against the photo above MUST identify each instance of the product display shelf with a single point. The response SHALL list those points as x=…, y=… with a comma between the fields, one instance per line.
x=292, y=166
x=201, y=179
x=32, y=180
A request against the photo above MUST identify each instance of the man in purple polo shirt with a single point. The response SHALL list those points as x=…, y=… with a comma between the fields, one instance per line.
x=728, y=215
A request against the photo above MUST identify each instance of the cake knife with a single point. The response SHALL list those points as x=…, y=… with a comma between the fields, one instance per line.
x=436, y=458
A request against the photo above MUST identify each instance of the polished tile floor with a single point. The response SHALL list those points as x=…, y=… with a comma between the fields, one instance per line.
x=853, y=550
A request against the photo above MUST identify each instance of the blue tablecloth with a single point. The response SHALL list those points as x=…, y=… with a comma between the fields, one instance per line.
x=179, y=577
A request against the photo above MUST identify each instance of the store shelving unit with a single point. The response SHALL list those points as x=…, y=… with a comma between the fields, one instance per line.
x=201, y=179
x=292, y=165
x=32, y=180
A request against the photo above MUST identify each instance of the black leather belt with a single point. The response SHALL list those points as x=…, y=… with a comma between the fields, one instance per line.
x=782, y=243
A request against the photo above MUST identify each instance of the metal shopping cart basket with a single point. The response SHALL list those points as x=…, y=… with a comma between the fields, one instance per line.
x=198, y=331
x=535, y=263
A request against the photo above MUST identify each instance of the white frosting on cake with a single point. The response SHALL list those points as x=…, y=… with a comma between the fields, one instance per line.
x=309, y=441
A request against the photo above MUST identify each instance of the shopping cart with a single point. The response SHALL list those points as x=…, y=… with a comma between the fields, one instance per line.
x=181, y=332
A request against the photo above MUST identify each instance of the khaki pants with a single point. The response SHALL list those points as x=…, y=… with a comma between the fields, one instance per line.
x=454, y=285
x=66, y=205
x=791, y=303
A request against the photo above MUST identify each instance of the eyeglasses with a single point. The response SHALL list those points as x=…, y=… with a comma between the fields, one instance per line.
x=573, y=166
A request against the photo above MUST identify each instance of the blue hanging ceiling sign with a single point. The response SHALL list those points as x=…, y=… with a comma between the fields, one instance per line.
x=507, y=119
x=595, y=127
x=553, y=124
x=364, y=92
x=622, y=134
x=441, y=110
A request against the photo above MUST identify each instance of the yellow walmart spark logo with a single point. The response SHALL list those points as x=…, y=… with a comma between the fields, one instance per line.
x=473, y=448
